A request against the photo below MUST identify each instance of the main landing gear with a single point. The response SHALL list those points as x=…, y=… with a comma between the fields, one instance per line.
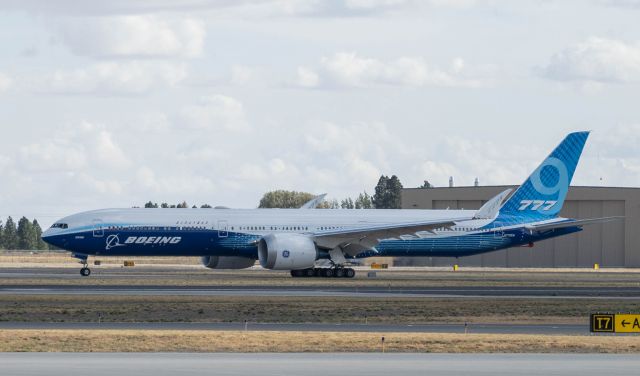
x=337, y=272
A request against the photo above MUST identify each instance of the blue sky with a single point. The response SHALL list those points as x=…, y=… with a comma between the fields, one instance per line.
x=111, y=104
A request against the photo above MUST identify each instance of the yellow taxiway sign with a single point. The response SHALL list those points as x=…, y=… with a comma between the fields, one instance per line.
x=615, y=323
x=627, y=323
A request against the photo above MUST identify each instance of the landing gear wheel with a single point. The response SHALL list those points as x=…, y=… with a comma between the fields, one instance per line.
x=349, y=273
x=327, y=273
x=296, y=273
x=85, y=272
x=311, y=272
x=339, y=273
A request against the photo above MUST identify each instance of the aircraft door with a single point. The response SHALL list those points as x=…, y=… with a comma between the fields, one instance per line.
x=498, y=232
x=223, y=228
x=98, y=228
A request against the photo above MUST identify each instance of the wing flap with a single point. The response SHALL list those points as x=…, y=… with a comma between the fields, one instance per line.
x=368, y=237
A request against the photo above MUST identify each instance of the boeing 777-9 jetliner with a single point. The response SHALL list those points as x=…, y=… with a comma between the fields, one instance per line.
x=295, y=239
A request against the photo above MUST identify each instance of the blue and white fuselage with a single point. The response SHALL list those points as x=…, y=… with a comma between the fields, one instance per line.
x=235, y=232
x=294, y=239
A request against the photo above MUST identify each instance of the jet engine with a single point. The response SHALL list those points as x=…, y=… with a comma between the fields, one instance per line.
x=287, y=252
x=227, y=262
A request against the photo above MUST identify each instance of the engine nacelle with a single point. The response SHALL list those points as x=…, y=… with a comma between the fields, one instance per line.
x=227, y=262
x=287, y=252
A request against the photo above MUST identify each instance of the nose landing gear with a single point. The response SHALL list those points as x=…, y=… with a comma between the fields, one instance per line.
x=85, y=271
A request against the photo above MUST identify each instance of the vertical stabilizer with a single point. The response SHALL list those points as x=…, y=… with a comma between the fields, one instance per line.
x=543, y=193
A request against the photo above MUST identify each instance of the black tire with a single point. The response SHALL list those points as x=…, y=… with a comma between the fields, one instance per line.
x=318, y=272
x=85, y=272
x=296, y=273
x=339, y=273
x=327, y=273
x=349, y=273
x=311, y=272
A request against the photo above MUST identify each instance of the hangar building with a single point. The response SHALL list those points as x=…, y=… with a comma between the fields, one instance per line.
x=614, y=244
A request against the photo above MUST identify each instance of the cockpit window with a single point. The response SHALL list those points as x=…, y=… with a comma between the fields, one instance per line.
x=60, y=225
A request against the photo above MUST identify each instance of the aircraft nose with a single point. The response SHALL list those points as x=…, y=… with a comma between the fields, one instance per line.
x=48, y=233
x=49, y=236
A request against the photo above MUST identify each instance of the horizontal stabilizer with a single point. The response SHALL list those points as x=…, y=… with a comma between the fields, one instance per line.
x=570, y=223
x=491, y=208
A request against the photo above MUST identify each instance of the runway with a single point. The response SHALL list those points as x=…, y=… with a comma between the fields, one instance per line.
x=174, y=281
x=556, y=329
x=619, y=293
x=312, y=364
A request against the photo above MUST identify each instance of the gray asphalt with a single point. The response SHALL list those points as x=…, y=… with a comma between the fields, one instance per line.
x=476, y=291
x=560, y=329
x=373, y=292
x=312, y=364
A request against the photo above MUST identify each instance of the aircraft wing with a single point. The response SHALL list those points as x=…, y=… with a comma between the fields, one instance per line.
x=570, y=223
x=355, y=240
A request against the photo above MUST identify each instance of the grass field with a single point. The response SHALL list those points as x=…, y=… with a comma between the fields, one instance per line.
x=238, y=341
x=74, y=308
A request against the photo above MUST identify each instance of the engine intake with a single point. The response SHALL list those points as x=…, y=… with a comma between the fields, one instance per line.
x=227, y=262
x=287, y=252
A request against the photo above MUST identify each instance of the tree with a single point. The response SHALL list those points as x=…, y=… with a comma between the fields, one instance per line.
x=363, y=201
x=26, y=235
x=10, y=235
x=347, y=203
x=284, y=199
x=164, y=205
x=37, y=230
x=1, y=236
x=183, y=205
x=394, y=189
x=388, y=193
x=426, y=184
x=206, y=206
x=151, y=205
x=380, y=193
x=194, y=207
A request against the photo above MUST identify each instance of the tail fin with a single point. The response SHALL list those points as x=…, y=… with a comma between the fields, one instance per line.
x=543, y=193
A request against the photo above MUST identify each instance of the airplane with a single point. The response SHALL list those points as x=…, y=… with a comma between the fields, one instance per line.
x=298, y=239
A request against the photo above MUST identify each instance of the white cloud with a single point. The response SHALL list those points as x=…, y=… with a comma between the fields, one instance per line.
x=242, y=75
x=148, y=181
x=351, y=70
x=307, y=77
x=113, y=78
x=237, y=8
x=598, y=60
x=74, y=149
x=139, y=35
x=357, y=151
x=5, y=82
x=214, y=112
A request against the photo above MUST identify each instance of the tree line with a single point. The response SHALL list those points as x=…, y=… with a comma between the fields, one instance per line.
x=182, y=205
x=387, y=195
x=26, y=235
